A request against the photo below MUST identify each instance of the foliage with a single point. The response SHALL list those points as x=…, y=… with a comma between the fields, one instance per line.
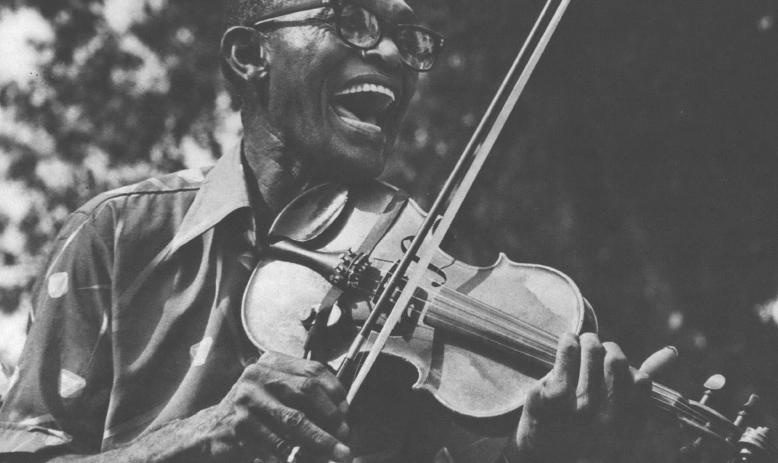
x=641, y=161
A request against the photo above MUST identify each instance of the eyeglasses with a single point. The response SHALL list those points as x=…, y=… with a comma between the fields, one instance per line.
x=360, y=28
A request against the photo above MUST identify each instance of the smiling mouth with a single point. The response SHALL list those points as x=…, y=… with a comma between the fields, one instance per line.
x=364, y=106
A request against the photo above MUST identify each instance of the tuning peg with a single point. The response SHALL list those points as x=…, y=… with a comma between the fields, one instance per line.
x=747, y=407
x=756, y=447
x=692, y=453
x=713, y=384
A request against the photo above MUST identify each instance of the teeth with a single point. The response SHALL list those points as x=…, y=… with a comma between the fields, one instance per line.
x=368, y=88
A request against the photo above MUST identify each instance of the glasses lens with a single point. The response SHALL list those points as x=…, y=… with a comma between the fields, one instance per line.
x=359, y=26
x=417, y=47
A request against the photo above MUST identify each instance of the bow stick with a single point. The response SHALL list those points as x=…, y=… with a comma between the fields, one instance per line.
x=453, y=193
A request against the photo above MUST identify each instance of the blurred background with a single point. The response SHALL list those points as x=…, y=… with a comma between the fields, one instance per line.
x=642, y=159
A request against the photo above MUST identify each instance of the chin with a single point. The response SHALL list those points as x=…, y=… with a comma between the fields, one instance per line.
x=358, y=167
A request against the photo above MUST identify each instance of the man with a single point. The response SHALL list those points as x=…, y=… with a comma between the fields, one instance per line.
x=137, y=353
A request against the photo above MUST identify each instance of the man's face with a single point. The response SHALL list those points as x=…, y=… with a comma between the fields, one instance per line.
x=339, y=108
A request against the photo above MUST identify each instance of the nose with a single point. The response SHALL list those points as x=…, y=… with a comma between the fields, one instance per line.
x=386, y=51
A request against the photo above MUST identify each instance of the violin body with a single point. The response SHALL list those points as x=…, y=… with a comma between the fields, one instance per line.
x=459, y=334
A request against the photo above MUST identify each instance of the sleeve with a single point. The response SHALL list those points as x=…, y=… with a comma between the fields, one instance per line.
x=60, y=390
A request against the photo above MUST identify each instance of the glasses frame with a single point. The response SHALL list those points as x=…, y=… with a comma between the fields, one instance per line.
x=337, y=6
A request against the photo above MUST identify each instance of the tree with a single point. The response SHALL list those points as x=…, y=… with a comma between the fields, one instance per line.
x=641, y=160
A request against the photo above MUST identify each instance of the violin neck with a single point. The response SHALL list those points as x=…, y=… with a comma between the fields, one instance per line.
x=666, y=399
x=674, y=404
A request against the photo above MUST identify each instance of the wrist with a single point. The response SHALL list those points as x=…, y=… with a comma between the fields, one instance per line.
x=218, y=442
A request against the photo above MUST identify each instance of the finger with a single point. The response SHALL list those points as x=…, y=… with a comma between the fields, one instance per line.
x=331, y=385
x=286, y=421
x=254, y=403
x=563, y=379
x=327, y=381
x=305, y=368
x=259, y=440
x=306, y=386
x=334, y=387
x=590, y=380
x=617, y=375
x=618, y=381
x=659, y=361
x=309, y=396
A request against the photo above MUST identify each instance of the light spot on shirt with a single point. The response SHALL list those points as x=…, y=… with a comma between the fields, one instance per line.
x=13, y=379
x=200, y=351
x=248, y=260
x=191, y=175
x=70, y=384
x=54, y=440
x=251, y=237
x=38, y=420
x=58, y=285
x=104, y=325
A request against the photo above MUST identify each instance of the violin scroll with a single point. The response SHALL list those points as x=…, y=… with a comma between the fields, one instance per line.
x=755, y=446
x=744, y=444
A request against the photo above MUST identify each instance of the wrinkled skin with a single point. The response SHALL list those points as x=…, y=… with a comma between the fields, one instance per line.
x=282, y=400
x=591, y=393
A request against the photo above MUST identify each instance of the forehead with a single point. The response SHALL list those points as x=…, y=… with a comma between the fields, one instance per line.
x=391, y=10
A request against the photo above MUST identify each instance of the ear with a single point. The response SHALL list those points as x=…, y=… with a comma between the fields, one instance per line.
x=244, y=54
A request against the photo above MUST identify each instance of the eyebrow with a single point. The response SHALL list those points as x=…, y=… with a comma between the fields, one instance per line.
x=404, y=15
x=292, y=8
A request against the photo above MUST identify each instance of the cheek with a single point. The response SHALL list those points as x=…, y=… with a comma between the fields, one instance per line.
x=310, y=58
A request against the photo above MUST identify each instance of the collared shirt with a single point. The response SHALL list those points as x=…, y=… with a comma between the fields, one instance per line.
x=138, y=324
x=137, y=316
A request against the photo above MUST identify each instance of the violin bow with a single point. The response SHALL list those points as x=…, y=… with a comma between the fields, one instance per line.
x=453, y=194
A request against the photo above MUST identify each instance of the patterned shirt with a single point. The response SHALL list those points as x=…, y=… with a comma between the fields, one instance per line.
x=137, y=323
x=137, y=316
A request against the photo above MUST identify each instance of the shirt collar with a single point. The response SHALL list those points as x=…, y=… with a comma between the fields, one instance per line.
x=222, y=192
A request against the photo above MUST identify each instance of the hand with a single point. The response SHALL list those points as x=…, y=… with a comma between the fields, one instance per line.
x=280, y=402
x=591, y=392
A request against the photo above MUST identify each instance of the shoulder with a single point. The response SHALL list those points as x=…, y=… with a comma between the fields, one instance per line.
x=182, y=184
x=146, y=205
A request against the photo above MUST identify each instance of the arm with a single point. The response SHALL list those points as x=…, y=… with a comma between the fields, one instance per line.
x=278, y=396
x=60, y=403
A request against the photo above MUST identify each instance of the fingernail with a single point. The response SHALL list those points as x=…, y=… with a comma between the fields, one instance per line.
x=344, y=408
x=672, y=348
x=341, y=452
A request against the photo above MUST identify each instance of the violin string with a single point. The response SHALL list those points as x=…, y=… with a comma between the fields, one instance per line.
x=453, y=303
x=551, y=339
x=680, y=403
x=550, y=349
x=550, y=352
x=678, y=407
x=658, y=394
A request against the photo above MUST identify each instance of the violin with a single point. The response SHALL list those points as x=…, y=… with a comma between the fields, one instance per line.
x=479, y=337
x=355, y=272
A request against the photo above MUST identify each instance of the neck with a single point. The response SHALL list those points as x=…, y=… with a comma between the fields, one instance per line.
x=279, y=173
